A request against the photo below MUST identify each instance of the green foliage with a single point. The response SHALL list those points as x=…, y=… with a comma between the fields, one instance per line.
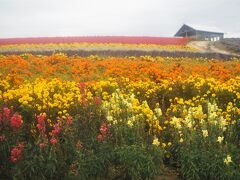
x=47, y=163
x=138, y=162
x=93, y=163
x=203, y=158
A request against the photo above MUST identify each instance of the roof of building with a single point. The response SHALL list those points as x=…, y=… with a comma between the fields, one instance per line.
x=204, y=28
x=201, y=28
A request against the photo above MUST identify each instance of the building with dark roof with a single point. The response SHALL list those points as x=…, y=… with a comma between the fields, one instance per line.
x=198, y=34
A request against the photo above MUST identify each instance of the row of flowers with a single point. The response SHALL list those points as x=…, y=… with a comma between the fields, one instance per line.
x=96, y=68
x=91, y=46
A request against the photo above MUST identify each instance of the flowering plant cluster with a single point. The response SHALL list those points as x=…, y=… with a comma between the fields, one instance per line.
x=91, y=117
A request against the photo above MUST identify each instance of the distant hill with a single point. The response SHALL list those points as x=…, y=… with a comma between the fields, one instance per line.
x=229, y=44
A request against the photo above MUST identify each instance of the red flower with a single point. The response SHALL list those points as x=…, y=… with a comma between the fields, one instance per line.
x=42, y=145
x=16, y=153
x=41, y=118
x=41, y=128
x=2, y=138
x=53, y=140
x=97, y=100
x=69, y=120
x=6, y=112
x=16, y=121
x=0, y=118
x=104, y=129
x=82, y=86
x=41, y=122
x=56, y=129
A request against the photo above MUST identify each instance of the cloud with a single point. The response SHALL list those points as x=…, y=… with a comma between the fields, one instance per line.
x=110, y=17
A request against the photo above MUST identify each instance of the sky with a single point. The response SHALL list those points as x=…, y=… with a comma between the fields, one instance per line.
x=47, y=18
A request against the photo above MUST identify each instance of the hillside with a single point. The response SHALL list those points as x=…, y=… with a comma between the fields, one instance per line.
x=229, y=44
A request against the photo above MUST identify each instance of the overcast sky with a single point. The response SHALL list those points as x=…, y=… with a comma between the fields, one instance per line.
x=34, y=18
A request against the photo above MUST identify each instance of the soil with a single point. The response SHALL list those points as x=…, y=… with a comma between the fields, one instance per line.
x=208, y=46
x=229, y=44
x=169, y=174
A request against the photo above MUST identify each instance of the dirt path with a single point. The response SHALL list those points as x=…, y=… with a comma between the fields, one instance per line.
x=169, y=174
x=207, y=46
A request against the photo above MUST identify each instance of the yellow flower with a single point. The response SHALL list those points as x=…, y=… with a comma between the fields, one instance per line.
x=181, y=101
x=24, y=102
x=130, y=123
x=205, y=133
x=168, y=155
x=181, y=140
x=164, y=145
x=155, y=141
x=158, y=111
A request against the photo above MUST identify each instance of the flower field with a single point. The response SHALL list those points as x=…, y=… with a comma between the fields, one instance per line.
x=101, y=43
x=26, y=48
x=118, y=118
x=98, y=39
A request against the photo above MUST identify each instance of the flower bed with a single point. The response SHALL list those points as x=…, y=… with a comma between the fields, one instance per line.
x=121, y=118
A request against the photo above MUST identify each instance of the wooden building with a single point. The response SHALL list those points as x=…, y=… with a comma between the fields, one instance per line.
x=198, y=34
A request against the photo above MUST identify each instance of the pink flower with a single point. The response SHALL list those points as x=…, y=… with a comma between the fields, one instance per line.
x=53, y=140
x=16, y=153
x=6, y=112
x=16, y=121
